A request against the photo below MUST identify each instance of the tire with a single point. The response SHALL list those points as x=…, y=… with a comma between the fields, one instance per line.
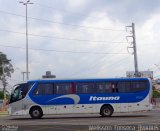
x=106, y=111
x=36, y=112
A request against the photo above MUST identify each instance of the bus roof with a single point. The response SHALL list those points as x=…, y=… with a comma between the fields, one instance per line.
x=86, y=79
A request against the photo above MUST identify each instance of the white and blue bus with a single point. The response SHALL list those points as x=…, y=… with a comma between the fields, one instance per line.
x=63, y=96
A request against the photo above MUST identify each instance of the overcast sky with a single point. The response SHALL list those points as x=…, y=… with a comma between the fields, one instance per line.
x=80, y=38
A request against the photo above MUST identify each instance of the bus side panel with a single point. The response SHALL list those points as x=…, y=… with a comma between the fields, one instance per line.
x=72, y=108
x=16, y=108
x=97, y=107
x=84, y=108
x=64, y=109
x=51, y=109
x=124, y=107
x=143, y=105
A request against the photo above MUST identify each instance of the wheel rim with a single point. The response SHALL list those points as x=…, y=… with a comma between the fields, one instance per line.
x=36, y=113
x=107, y=111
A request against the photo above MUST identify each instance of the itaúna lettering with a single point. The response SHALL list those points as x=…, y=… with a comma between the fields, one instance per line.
x=95, y=98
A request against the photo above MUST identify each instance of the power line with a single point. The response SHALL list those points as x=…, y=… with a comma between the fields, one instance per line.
x=64, y=51
x=92, y=66
x=46, y=6
x=79, y=71
x=63, y=38
x=97, y=60
x=67, y=24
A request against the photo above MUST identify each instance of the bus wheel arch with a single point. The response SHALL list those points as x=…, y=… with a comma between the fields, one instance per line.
x=36, y=112
x=106, y=110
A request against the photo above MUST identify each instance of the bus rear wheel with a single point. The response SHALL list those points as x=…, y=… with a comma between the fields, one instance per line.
x=106, y=111
x=36, y=112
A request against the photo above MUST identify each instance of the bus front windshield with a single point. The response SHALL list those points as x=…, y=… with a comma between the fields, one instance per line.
x=19, y=92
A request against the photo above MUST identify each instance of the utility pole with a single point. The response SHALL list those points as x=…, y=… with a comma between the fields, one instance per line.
x=133, y=46
x=26, y=4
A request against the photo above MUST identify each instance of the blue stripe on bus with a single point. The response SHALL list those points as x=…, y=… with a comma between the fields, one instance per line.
x=57, y=99
x=89, y=80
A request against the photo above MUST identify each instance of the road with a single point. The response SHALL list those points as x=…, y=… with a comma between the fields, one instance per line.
x=80, y=122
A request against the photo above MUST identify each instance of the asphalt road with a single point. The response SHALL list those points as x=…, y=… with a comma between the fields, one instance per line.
x=82, y=121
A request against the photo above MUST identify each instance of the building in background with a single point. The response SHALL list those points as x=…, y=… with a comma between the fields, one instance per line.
x=48, y=75
x=147, y=74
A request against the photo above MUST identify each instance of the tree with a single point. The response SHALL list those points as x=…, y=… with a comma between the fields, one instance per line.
x=6, y=69
x=2, y=95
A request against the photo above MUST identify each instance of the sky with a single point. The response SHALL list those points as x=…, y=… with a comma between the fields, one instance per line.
x=80, y=38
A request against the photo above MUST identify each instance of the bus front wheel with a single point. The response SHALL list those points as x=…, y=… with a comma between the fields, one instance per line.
x=106, y=111
x=36, y=112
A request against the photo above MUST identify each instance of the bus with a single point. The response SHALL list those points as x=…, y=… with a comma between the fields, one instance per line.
x=71, y=96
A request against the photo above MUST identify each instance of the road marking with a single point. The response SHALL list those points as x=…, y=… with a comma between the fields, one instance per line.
x=54, y=127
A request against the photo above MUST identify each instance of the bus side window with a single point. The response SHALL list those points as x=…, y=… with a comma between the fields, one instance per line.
x=85, y=87
x=108, y=87
x=113, y=87
x=103, y=87
x=116, y=87
x=100, y=87
x=123, y=86
x=138, y=86
x=63, y=88
x=39, y=90
x=48, y=89
x=44, y=89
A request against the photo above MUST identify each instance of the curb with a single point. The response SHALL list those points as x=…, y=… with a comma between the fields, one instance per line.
x=2, y=113
x=157, y=108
